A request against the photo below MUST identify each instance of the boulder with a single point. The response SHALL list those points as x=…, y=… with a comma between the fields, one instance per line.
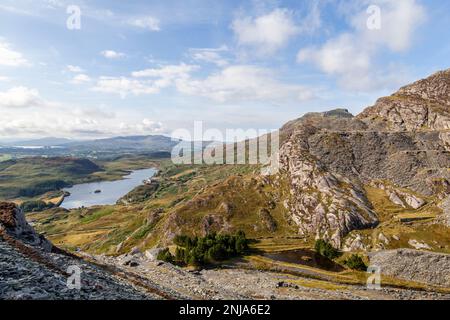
x=414, y=202
x=418, y=245
x=152, y=254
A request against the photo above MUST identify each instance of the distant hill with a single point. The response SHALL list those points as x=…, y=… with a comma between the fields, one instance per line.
x=29, y=177
x=155, y=145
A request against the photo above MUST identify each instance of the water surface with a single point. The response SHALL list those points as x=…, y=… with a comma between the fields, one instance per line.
x=111, y=191
x=305, y=257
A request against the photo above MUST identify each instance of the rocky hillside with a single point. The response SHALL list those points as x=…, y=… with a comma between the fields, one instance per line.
x=32, y=268
x=399, y=146
x=421, y=105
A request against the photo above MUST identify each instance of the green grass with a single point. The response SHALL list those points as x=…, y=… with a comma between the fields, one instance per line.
x=142, y=232
x=29, y=177
x=97, y=215
x=5, y=157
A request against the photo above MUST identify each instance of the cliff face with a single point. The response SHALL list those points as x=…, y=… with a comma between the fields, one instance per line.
x=322, y=203
x=330, y=157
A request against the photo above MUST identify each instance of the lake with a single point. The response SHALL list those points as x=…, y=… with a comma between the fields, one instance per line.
x=111, y=191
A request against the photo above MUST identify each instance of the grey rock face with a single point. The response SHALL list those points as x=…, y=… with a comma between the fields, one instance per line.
x=329, y=157
x=426, y=267
x=322, y=204
x=423, y=104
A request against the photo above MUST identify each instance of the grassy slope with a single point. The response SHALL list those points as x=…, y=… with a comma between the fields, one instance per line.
x=423, y=228
x=187, y=194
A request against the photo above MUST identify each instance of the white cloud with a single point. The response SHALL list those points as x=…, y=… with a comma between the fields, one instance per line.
x=16, y=10
x=166, y=72
x=399, y=21
x=72, y=125
x=243, y=83
x=338, y=56
x=148, y=81
x=74, y=69
x=63, y=119
x=20, y=97
x=267, y=33
x=4, y=79
x=313, y=20
x=111, y=54
x=351, y=56
x=231, y=84
x=210, y=55
x=81, y=78
x=9, y=57
x=54, y=4
x=148, y=23
x=145, y=127
x=125, y=86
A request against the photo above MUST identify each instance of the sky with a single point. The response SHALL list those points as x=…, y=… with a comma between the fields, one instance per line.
x=93, y=69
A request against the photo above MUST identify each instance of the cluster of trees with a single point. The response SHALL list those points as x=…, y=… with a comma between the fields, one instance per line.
x=355, y=262
x=325, y=249
x=198, y=251
x=35, y=206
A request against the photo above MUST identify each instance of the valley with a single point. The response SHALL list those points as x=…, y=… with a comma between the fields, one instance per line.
x=372, y=189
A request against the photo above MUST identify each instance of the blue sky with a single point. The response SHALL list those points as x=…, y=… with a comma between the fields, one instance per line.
x=147, y=67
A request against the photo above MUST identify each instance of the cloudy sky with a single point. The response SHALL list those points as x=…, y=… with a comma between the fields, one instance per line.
x=146, y=67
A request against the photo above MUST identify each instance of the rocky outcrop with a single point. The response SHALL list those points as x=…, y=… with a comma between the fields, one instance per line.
x=13, y=222
x=354, y=242
x=321, y=203
x=328, y=158
x=424, y=104
x=419, y=266
x=445, y=217
x=268, y=221
x=400, y=197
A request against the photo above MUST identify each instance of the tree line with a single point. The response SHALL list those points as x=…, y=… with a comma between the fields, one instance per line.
x=198, y=251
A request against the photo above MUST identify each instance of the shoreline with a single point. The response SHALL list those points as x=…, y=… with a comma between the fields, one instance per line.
x=67, y=193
